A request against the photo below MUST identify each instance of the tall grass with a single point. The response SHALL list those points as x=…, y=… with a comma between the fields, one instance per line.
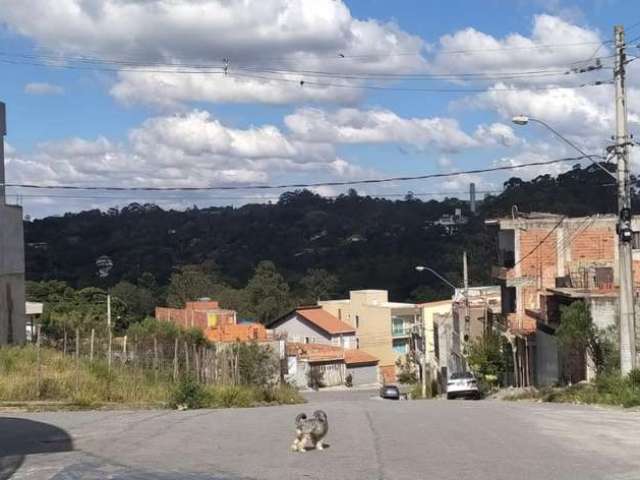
x=88, y=384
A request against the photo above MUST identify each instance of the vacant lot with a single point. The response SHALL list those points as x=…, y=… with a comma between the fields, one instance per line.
x=369, y=439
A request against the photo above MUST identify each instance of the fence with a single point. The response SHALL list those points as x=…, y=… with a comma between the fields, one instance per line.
x=169, y=357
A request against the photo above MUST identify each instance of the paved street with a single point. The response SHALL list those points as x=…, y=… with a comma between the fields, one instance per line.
x=369, y=439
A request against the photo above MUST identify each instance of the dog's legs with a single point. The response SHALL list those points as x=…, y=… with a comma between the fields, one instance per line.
x=319, y=445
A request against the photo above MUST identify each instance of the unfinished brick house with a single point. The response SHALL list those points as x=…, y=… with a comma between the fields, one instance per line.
x=547, y=260
x=218, y=324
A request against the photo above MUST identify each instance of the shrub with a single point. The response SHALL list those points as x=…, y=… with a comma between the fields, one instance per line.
x=634, y=378
x=189, y=393
x=233, y=396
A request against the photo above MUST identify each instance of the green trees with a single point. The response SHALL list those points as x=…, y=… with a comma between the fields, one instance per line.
x=318, y=284
x=189, y=283
x=577, y=333
x=486, y=357
x=267, y=294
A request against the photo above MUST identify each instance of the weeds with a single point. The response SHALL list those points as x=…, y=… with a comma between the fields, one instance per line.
x=92, y=384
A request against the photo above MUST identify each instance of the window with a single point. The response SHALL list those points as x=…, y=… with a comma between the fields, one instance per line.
x=357, y=343
x=339, y=314
x=306, y=339
x=400, y=345
x=357, y=321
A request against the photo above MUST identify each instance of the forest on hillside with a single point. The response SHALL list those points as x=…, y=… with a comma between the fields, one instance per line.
x=305, y=245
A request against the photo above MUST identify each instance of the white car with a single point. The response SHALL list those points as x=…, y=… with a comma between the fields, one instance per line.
x=462, y=384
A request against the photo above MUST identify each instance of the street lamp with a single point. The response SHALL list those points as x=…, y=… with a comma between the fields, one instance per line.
x=422, y=268
x=625, y=236
x=524, y=120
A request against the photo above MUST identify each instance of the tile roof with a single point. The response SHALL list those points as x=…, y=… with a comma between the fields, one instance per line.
x=316, y=352
x=231, y=333
x=353, y=357
x=324, y=320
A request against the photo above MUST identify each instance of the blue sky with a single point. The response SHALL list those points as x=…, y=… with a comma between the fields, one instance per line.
x=107, y=124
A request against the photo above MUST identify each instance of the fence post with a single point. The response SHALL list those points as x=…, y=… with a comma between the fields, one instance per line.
x=155, y=357
x=196, y=360
x=64, y=345
x=93, y=336
x=186, y=358
x=109, y=346
x=77, y=354
x=39, y=373
x=124, y=350
x=175, y=360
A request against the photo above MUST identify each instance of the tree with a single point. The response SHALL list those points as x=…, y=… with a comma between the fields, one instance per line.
x=486, y=358
x=139, y=301
x=267, y=293
x=189, y=283
x=318, y=284
x=577, y=333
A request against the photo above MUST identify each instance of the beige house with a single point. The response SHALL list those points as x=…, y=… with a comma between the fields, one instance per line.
x=383, y=328
x=436, y=316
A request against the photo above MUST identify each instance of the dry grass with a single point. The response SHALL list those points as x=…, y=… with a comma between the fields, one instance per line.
x=85, y=384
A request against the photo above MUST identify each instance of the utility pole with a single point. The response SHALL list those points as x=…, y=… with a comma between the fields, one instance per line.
x=3, y=132
x=109, y=330
x=625, y=232
x=423, y=329
x=467, y=319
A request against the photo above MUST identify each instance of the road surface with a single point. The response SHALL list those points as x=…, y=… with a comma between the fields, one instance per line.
x=368, y=439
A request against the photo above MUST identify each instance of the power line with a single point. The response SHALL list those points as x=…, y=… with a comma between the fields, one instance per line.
x=303, y=185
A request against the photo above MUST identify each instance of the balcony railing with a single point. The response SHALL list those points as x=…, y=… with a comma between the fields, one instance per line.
x=401, y=332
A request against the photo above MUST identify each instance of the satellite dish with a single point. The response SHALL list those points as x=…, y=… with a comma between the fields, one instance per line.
x=104, y=264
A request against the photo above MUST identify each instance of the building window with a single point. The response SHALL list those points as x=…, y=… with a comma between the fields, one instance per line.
x=400, y=345
x=339, y=314
x=357, y=321
x=306, y=339
x=357, y=343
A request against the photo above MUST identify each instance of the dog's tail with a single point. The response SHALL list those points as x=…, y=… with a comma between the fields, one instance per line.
x=320, y=414
x=300, y=418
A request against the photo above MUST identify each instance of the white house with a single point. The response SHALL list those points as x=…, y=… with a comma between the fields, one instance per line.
x=314, y=325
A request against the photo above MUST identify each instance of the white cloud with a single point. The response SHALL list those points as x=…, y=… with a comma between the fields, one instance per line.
x=191, y=149
x=41, y=88
x=299, y=35
x=496, y=134
x=350, y=125
x=472, y=50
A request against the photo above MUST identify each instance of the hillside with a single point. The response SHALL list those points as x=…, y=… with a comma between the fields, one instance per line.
x=366, y=242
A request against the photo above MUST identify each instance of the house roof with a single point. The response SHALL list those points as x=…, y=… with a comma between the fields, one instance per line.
x=317, y=352
x=355, y=357
x=231, y=333
x=324, y=320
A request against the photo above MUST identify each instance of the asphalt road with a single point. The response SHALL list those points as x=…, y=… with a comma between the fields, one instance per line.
x=368, y=439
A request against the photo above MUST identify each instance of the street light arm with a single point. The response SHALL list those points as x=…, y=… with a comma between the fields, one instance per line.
x=441, y=277
x=574, y=146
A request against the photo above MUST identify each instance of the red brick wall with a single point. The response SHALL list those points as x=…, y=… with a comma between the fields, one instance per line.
x=539, y=259
x=594, y=244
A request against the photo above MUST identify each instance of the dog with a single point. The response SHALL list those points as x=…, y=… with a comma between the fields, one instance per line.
x=310, y=431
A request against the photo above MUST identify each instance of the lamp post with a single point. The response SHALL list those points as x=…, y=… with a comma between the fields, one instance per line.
x=626, y=303
x=422, y=268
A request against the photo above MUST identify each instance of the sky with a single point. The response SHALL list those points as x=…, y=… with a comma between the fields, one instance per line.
x=239, y=93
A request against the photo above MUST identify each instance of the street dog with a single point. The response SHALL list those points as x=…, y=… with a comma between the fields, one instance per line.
x=310, y=431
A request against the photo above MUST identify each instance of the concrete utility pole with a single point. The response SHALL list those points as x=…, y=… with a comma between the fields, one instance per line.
x=109, y=330
x=3, y=132
x=625, y=232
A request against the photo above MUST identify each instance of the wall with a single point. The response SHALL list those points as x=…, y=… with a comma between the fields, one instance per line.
x=546, y=360
x=12, y=296
x=604, y=311
x=428, y=312
x=297, y=330
x=363, y=374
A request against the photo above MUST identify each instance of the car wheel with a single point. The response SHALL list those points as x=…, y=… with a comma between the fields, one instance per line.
x=450, y=396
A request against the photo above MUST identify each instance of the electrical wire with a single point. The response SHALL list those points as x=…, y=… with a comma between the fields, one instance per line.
x=303, y=185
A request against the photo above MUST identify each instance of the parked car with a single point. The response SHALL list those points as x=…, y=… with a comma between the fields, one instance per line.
x=462, y=384
x=390, y=391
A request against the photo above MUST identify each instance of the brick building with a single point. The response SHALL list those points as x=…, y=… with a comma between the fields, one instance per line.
x=218, y=324
x=545, y=260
